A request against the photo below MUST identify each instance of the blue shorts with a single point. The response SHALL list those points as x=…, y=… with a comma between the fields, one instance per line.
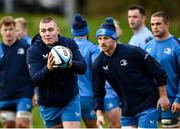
x=53, y=116
x=111, y=103
x=87, y=108
x=145, y=119
x=23, y=104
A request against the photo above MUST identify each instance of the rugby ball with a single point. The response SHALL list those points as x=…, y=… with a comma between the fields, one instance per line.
x=62, y=56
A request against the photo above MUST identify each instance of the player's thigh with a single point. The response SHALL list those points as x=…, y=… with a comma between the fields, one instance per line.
x=72, y=124
x=112, y=111
x=71, y=115
x=88, y=112
x=90, y=123
x=114, y=117
x=7, y=118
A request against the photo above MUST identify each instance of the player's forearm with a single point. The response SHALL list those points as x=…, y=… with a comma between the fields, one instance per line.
x=162, y=91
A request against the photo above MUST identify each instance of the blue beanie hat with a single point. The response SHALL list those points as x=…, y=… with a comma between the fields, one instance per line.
x=107, y=29
x=79, y=26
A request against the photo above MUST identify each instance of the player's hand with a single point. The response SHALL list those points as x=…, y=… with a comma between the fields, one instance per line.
x=175, y=107
x=164, y=103
x=100, y=118
x=51, y=62
x=34, y=100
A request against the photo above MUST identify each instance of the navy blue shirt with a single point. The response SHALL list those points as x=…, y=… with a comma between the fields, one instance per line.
x=57, y=87
x=134, y=75
x=14, y=76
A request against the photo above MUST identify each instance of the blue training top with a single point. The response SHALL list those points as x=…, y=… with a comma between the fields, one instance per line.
x=89, y=51
x=14, y=76
x=167, y=53
x=134, y=75
x=57, y=87
x=141, y=38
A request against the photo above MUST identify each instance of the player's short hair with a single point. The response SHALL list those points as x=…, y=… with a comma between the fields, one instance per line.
x=7, y=20
x=22, y=21
x=138, y=7
x=47, y=19
x=162, y=14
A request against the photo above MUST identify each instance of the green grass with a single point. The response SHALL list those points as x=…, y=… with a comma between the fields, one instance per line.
x=37, y=121
x=93, y=21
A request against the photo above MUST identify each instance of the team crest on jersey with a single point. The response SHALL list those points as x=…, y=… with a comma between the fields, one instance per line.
x=168, y=51
x=123, y=62
x=21, y=51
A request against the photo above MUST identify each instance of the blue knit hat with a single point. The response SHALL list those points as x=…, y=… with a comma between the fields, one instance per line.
x=79, y=26
x=107, y=29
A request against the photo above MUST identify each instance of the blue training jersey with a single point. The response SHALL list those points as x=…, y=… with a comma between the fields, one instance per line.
x=27, y=38
x=141, y=38
x=89, y=51
x=167, y=53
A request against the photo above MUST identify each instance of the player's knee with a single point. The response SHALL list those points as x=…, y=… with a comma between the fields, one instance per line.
x=24, y=120
x=169, y=123
x=9, y=124
x=115, y=124
x=8, y=118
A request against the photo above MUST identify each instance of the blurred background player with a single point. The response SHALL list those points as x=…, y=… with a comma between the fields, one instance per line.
x=90, y=51
x=165, y=48
x=58, y=95
x=136, y=18
x=22, y=29
x=119, y=30
x=16, y=88
x=136, y=77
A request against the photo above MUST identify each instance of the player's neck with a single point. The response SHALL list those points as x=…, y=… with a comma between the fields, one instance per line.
x=138, y=29
x=163, y=37
x=111, y=51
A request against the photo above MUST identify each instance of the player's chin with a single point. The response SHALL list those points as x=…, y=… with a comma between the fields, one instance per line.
x=156, y=35
x=102, y=49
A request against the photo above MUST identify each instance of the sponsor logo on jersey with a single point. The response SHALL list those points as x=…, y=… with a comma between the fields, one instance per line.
x=146, y=55
x=105, y=68
x=77, y=114
x=45, y=56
